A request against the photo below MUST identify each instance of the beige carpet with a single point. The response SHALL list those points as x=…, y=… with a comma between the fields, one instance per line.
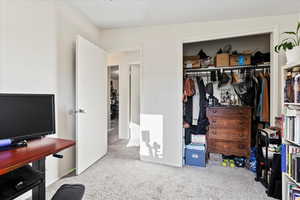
x=121, y=176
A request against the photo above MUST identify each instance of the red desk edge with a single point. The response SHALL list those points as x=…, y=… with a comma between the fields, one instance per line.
x=36, y=150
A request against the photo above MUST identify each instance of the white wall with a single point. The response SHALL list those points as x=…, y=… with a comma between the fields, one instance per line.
x=37, y=42
x=123, y=59
x=161, y=105
x=29, y=53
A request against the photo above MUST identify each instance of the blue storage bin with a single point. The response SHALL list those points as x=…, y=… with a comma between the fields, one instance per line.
x=195, y=155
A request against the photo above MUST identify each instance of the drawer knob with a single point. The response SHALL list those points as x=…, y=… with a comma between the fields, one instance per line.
x=214, y=111
x=241, y=146
x=241, y=134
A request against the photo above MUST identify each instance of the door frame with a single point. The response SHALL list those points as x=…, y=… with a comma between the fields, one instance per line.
x=138, y=49
x=129, y=95
x=108, y=93
x=274, y=67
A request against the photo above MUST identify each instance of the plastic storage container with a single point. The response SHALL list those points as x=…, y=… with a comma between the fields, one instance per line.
x=195, y=155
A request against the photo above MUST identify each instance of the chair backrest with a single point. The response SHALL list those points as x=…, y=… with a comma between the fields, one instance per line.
x=66, y=191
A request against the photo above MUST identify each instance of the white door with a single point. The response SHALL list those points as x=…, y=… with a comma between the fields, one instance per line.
x=134, y=124
x=91, y=104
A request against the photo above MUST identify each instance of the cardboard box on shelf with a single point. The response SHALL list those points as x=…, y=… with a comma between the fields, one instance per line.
x=191, y=61
x=222, y=60
x=186, y=58
x=241, y=59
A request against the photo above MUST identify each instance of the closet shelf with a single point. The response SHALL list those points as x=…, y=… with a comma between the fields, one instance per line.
x=292, y=142
x=287, y=67
x=289, y=177
x=191, y=70
x=292, y=104
x=295, y=106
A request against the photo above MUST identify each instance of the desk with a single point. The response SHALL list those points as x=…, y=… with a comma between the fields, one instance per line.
x=35, y=153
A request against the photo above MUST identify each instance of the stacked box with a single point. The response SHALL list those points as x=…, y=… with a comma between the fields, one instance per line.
x=195, y=155
x=222, y=60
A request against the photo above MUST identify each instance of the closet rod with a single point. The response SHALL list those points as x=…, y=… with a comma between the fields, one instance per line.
x=191, y=70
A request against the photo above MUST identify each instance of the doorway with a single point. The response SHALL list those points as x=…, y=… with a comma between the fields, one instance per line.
x=272, y=39
x=113, y=104
x=124, y=139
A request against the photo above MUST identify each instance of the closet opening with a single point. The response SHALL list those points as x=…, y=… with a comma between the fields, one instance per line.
x=227, y=86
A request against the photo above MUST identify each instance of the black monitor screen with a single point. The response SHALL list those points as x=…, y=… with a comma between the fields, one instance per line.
x=25, y=116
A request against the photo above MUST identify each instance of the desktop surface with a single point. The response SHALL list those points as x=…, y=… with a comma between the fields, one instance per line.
x=35, y=150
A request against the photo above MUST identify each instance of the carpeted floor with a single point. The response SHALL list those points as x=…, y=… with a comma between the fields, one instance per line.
x=113, y=132
x=121, y=176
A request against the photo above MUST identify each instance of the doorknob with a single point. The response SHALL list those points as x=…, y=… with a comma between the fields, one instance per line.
x=80, y=111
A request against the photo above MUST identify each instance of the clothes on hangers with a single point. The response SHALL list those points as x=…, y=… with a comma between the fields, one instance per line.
x=266, y=100
x=202, y=121
x=256, y=98
x=196, y=107
x=252, y=88
x=223, y=78
x=246, y=90
x=202, y=99
x=188, y=110
x=189, y=89
x=263, y=108
x=235, y=78
x=213, y=76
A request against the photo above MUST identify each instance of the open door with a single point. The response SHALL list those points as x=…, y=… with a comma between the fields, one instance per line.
x=91, y=104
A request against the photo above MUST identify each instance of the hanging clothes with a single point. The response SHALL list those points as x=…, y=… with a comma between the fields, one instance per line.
x=189, y=89
x=256, y=98
x=266, y=100
x=260, y=96
x=196, y=107
x=188, y=110
x=263, y=108
x=188, y=92
x=202, y=119
x=246, y=90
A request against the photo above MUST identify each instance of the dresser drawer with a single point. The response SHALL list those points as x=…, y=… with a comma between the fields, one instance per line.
x=243, y=112
x=230, y=123
x=229, y=134
x=228, y=147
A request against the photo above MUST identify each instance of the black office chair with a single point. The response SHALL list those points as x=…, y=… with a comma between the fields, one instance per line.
x=66, y=191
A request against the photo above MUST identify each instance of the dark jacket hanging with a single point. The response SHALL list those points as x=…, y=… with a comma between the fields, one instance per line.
x=202, y=120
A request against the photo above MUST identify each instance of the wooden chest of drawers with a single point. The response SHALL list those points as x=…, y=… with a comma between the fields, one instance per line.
x=229, y=130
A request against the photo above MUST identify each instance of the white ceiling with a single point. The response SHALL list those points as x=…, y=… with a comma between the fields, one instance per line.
x=130, y=13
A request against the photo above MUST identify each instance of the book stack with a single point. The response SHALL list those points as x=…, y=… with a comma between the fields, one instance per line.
x=291, y=161
x=292, y=127
x=293, y=191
